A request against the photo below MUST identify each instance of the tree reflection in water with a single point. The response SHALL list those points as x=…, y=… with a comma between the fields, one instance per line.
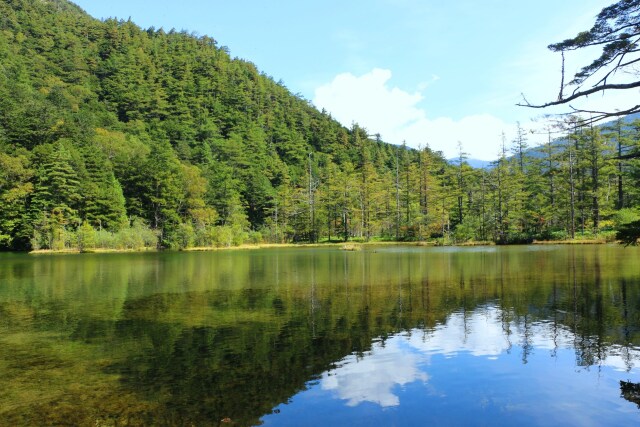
x=197, y=338
x=630, y=391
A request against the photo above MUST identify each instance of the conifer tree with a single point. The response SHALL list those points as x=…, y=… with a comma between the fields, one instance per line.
x=103, y=202
x=15, y=190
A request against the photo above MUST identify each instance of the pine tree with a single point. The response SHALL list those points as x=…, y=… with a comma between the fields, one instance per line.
x=57, y=184
x=163, y=189
x=103, y=201
x=15, y=191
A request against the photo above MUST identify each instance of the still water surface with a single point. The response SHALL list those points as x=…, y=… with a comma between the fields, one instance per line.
x=391, y=335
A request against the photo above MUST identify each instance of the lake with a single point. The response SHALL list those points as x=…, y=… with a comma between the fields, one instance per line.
x=390, y=336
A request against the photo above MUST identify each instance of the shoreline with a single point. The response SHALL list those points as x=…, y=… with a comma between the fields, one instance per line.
x=89, y=251
x=572, y=242
x=246, y=246
x=340, y=245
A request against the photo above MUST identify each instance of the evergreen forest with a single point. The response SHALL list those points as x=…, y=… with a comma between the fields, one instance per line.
x=114, y=136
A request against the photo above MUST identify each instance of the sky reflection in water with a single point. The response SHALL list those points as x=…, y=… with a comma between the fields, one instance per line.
x=388, y=335
x=476, y=368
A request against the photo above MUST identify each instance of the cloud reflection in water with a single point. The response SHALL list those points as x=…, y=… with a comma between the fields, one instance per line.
x=373, y=377
x=403, y=359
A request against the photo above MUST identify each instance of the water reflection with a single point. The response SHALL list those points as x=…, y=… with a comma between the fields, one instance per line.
x=630, y=391
x=372, y=377
x=474, y=369
x=407, y=357
x=393, y=336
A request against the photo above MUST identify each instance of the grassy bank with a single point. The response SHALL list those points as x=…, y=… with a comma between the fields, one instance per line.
x=572, y=242
x=347, y=246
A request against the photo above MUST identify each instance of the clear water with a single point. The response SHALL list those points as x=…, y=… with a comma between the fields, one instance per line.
x=391, y=335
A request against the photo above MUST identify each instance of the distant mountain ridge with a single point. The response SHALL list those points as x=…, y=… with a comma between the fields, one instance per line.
x=474, y=163
x=535, y=150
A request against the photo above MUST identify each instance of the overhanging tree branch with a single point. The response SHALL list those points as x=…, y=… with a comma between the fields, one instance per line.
x=581, y=94
x=617, y=30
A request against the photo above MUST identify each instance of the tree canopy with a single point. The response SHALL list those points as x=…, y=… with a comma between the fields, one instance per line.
x=114, y=136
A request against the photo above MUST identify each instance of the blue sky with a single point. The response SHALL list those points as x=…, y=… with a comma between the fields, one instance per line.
x=420, y=71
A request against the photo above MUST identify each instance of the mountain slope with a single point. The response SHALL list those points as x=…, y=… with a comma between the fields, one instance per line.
x=187, y=136
x=113, y=136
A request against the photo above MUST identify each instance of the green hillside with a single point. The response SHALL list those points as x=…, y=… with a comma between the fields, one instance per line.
x=116, y=136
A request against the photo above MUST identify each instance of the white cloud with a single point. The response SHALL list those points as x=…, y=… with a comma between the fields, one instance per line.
x=393, y=366
x=423, y=85
x=404, y=358
x=394, y=113
x=367, y=101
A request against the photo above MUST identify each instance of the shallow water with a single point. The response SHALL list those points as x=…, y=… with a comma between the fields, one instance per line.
x=391, y=335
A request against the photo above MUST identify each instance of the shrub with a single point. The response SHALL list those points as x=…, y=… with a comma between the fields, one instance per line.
x=254, y=237
x=86, y=237
x=182, y=237
x=625, y=216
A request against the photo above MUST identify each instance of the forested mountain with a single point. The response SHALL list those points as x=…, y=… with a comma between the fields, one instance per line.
x=116, y=136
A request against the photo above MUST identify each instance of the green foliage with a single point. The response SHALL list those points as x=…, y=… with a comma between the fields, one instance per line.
x=101, y=121
x=625, y=216
x=57, y=181
x=254, y=237
x=137, y=235
x=615, y=29
x=182, y=237
x=15, y=190
x=86, y=236
x=629, y=233
x=468, y=230
x=103, y=201
x=555, y=235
